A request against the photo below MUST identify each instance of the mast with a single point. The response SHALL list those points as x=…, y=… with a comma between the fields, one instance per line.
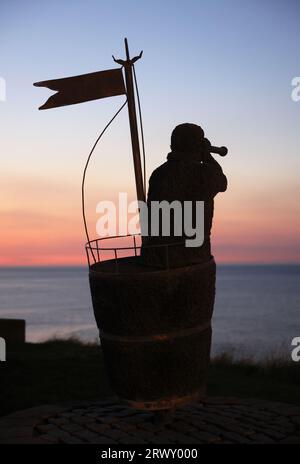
x=128, y=64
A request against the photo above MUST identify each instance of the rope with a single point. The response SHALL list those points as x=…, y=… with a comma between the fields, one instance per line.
x=85, y=170
x=141, y=129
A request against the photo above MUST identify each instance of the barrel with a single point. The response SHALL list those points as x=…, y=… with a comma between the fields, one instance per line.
x=155, y=329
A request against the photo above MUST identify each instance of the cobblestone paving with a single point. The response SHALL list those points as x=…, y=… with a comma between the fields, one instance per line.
x=215, y=420
x=218, y=420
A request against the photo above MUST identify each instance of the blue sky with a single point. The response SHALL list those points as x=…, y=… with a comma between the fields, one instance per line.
x=226, y=65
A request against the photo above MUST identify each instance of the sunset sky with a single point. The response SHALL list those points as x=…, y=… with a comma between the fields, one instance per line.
x=226, y=65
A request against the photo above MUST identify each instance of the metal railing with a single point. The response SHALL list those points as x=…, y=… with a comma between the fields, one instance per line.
x=96, y=249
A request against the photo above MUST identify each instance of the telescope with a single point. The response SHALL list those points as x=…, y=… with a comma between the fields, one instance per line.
x=222, y=151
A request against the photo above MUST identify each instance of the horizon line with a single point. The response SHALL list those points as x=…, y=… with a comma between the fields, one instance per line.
x=245, y=263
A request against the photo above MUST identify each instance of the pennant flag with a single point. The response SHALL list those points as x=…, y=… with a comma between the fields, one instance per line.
x=87, y=87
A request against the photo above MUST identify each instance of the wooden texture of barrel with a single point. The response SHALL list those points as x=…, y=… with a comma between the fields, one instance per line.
x=155, y=330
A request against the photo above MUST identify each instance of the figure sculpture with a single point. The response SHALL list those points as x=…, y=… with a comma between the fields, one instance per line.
x=190, y=174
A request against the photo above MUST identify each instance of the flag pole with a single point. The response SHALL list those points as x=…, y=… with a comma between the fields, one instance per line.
x=133, y=121
x=133, y=127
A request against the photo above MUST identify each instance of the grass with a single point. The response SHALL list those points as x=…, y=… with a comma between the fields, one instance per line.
x=272, y=379
x=67, y=370
x=51, y=372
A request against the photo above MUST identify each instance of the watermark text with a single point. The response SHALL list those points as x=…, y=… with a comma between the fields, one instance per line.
x=2, y=349
x=159, y=218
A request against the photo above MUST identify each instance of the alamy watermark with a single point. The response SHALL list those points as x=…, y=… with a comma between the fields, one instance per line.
x=295, y=95
x=176, y=218
x=2, y=89
x=2, y=349
x=295, y=354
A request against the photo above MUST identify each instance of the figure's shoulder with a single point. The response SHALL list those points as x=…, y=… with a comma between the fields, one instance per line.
x=159, y=171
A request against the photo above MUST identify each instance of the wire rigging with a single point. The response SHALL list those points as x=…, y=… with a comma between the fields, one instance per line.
x=94, y=146
x=85, y=170
x=141, y=129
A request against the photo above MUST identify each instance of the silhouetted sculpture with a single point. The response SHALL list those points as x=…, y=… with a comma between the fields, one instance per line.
x=190, y=174
x=155, y=319
x=154, y=324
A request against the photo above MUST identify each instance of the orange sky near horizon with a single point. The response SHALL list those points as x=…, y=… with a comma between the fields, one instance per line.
x=38, y=228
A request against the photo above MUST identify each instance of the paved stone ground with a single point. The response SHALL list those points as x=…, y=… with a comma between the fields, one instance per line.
x=214, y=420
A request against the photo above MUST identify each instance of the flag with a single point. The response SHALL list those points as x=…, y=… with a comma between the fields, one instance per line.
x=86, y=87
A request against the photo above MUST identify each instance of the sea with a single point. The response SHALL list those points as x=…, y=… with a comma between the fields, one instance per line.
x=256, y=313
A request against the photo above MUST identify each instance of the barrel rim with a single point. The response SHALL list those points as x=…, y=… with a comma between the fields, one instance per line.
x=146, y=270
x=94, y=250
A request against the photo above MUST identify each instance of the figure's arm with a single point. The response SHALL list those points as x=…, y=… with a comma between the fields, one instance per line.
x=219, y=178
x=222, y=181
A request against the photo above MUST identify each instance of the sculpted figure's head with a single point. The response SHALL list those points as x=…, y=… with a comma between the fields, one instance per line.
x=188, y=138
